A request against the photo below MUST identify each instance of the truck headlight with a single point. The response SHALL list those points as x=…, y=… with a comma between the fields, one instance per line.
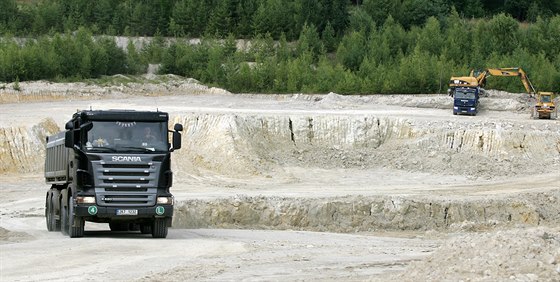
x=472, y=109
x=165, y=200
x=85, y=200
x=456, y=108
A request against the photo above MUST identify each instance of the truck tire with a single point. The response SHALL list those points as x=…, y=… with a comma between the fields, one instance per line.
x=49, y=212
x=75, y=223
x=159, y=228
x=55, y=217
x=63, y=218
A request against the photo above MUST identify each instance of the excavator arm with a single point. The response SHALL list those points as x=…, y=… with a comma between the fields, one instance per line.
x=508, y=72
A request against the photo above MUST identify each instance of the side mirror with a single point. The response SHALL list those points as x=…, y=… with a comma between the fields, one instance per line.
x=178, y=127
x=176, y=140
x=69, y=139
x=69, y=125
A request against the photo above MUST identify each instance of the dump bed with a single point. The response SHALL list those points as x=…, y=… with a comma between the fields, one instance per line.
x=56, y=160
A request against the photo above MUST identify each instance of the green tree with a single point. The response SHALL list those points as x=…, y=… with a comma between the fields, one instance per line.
x=309, y=42
x=215, y=73
x=502, y=33
x=351, y=51
x=8, y=14
x=274, y=17
x=360, y=20
x=335, y=12
x=328, y=38
x=379, y=10
x=103, y=13
x=431, y=39
x=244, y=10
x=307, y=12
x=458, y=43
x=220, y=20
x=416, y=12
x=393, y=38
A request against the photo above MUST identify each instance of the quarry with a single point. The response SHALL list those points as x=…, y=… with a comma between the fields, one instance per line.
x=316, y=187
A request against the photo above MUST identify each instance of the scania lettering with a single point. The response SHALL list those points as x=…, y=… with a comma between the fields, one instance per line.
x=126, y=159
x=111, y=167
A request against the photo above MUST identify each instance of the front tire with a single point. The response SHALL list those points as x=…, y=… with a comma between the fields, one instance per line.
x=75, y=223
x=159, y=228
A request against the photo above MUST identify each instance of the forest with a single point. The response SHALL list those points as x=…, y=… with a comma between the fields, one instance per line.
x=296, y=46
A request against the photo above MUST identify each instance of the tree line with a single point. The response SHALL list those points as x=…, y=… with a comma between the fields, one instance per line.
x=368, y=56
x=242, y=18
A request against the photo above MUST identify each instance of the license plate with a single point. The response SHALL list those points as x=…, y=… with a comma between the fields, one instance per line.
x=127, y=212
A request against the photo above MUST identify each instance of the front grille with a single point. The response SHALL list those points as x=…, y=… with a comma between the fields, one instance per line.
x=126, y=189
x=127, y=173
x=126, y=183
x=126, y=198
x=126, y=166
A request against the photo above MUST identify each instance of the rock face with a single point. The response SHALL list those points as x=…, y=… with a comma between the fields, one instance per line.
x=252, y=144
x=361, y=213
x=23, y=148
x=246, y=144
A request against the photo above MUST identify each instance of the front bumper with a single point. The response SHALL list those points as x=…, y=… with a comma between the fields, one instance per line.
x=464, y=110
x=90, y=211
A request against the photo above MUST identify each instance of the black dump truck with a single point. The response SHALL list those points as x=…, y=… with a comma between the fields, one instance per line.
x=111, y=167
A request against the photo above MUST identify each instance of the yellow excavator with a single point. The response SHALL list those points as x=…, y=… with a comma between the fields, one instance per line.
x=543, y=109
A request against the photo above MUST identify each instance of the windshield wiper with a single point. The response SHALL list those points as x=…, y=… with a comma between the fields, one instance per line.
x=145, y=149
x=89, y=149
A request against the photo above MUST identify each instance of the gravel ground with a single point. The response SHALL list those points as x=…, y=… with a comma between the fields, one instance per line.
x=410, y=191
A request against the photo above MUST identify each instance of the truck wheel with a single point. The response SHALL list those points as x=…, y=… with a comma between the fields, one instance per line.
x=159, y=228
x=55, y=217
x=49, y=212
x=75, y=223
x=63, y=218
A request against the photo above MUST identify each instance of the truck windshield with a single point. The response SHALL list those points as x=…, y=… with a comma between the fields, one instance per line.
x=116, y=136
x=464, y=94
x=545, y=99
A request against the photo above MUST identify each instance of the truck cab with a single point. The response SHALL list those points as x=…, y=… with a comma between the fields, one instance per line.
x=112, y=167
x=466, y=100
x=466, y=93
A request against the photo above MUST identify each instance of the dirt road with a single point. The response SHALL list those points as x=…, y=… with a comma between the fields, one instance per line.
x=401, y=181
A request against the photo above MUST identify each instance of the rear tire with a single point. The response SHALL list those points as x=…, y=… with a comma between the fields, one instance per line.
x=75, y=223
x=49, y=212
x=159, y=228
x=55, y=217
x=63, y=218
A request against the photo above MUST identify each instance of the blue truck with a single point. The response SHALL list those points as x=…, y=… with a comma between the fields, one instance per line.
x=466, y=93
